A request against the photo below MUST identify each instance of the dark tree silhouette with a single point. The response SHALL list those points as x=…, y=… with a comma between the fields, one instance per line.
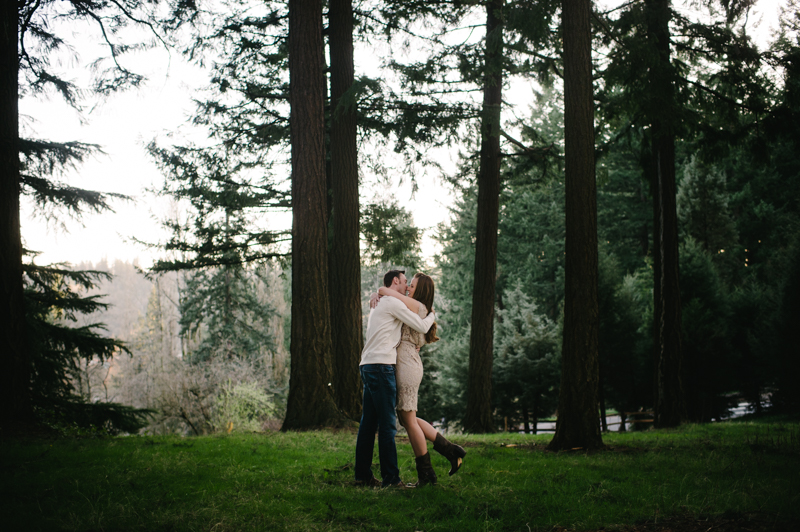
x=13, y=340
x=669, y=399
x=478, y=417
x=345, y=258
x=577, y=424
x=29, y=47
x=310, y=403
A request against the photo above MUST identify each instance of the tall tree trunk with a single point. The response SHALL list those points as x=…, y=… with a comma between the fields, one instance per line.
x=310, y=403
x=577, y=424
x=14, y=347
x=345, y=263
x=479, y=385
x=669, y=398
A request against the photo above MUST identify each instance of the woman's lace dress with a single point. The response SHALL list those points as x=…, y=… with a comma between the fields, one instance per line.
x=408, y=371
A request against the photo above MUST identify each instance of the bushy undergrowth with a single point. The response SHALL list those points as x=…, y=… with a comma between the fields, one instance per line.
x=302, y=481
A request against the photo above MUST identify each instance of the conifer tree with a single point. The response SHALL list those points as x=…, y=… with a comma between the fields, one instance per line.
x=693, y=79
x=669, y=397
x=14, y=346
x=478, y=417
x=527, y=363
x=28, y=48
x=310, y=403
x=577, y=424
x=344, y=261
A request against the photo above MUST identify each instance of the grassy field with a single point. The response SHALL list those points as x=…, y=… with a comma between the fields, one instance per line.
x=716, y=474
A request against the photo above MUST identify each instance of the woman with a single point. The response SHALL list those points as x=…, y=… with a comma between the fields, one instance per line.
x=408, y=373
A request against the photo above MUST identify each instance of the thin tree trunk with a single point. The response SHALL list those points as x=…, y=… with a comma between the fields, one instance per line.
x=602, y=397
x=479, y=385
x=310, y=403
x=228, y=303
x=670, y=401
x=577, y=424
x=345, y=287
x=526, y=420
x=14, y=347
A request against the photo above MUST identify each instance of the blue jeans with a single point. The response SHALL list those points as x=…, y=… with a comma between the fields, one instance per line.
x=378, y=415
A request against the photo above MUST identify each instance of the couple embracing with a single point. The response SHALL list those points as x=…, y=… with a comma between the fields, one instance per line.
x=391, y=371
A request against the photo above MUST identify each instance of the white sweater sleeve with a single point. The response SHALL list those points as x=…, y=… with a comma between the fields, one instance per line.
x=402, y=313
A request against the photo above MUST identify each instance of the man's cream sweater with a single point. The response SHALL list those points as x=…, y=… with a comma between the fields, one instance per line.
x=384, y=327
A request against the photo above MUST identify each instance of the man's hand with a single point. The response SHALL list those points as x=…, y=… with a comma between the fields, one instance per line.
x=373, y=300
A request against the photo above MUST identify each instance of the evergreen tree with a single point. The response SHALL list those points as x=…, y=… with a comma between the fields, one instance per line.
x=669, y=398
x=710, y=360
x=220, y=245
x=222, y=314
x=773, y=225
x=344, y=257
x=456, y=268
x=671, y=75
x=478, y=417
x=389, y=234
x=527, y=362
x=15, y=346
x=310, y=403
x=625, y=345
x=578, y=394
x=53, y=299
x=28, y=49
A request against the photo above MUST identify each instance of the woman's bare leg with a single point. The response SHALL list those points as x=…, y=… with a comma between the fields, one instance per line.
x=427, y=429
x=415, y=434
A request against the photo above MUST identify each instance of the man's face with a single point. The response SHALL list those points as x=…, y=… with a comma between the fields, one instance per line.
x=399, y=284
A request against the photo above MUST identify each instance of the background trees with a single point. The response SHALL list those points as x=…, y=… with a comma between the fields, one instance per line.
x=728, y=134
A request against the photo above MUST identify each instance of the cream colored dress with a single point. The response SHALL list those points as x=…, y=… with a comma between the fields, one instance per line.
x=408, y=371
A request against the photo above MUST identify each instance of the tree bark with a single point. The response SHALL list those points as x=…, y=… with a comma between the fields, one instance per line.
x=14, y=347
x=345, y=263
x=669, y=397
x=577, y=424
x=310, y=403
x=478, y=417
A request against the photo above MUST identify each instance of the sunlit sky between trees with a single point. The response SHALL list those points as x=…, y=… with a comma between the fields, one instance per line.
x=124, y=123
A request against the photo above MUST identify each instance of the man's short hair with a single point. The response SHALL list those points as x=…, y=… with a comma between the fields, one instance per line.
x=390, y=275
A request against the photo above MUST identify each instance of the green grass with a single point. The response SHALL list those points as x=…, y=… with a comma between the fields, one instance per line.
x=302, y=481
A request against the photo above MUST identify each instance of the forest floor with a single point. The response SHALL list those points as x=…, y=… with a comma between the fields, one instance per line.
x=721, y=477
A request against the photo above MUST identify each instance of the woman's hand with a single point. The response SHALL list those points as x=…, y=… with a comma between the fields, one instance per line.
x=373, y=300
x=383, y=291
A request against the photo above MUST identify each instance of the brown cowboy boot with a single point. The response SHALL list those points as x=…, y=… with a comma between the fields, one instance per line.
x=454, y=453
x=425, y=473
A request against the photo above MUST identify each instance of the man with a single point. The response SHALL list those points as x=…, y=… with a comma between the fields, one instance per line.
x=380, y=388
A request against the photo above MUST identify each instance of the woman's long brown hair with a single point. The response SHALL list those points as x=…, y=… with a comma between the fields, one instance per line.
x=424, y=294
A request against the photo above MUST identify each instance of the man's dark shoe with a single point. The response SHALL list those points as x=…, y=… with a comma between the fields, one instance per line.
x=369, y=483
